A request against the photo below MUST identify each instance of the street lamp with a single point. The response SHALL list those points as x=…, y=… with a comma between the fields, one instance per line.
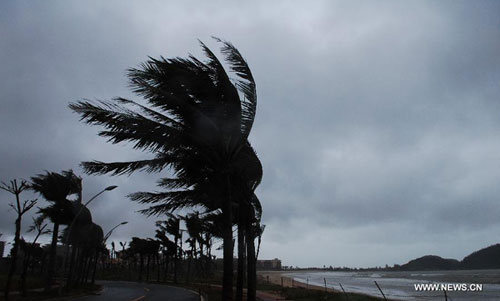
x=70, y=228
x=109, y=188
x=111, y=231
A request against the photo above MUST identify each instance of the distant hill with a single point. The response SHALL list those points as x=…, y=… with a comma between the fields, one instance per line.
x=487, y=258
x=429, y=263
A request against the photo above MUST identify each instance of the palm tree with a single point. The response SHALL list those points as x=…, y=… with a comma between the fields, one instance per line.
x=82, y=224
x=252, y=230
x=55, y=188
x=248, y=213
x=138, y=246
x=39, y=227
x=172, y=226
x=194, y=228
x=20, y=208
x=169, y=248
x=90, y=244
x=197, y=125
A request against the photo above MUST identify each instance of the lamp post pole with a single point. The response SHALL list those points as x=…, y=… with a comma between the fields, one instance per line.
x=111, y=231
x=70, y=228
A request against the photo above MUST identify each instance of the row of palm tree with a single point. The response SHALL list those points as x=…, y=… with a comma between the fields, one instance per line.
x=197, y=124
x=56, y=188
x=20, y=207
x=177, y=253
x=86, y=238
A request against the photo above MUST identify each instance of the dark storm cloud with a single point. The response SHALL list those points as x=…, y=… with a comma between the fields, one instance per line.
x=377, y=122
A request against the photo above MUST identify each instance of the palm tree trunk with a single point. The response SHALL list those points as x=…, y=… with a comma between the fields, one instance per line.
x=52, y=258
x=14, y=257
x=147, y=267
x=190, y=262
x=71, y=265
x=240, y=277
x=80, y=259
x=95, y=266
x=227, y=278
x=251, y=265
x=89, y=266
x=140, y=267
x=158, y=266
x=176, y=259
x=26, y=264
x=165, y=271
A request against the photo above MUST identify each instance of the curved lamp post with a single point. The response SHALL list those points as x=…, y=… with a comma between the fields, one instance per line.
x=70, y=228
x=109, y=188
x=111, y=231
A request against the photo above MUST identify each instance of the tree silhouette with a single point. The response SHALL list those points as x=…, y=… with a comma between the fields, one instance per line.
x=20, y=208
x=172, y=226
x=38, y=226
x=55, y=188
x=197, y=125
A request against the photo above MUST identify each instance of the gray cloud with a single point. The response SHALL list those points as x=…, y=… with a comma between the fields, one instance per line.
x=377, y=122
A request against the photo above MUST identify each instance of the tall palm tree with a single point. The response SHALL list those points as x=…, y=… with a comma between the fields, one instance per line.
x=82, y=224
x=194, y=228
x=169, y=249
x=38, y=226
x=55, y=188
x=20, y=207
x=172, y=226
x=252, y=230
x=249, y=210
x=197, y=122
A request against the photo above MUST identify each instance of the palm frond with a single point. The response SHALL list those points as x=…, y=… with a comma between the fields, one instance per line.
x=123, y=125
x=247, y=85
x=120, y=168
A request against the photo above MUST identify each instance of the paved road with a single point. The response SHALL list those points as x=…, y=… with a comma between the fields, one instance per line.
x=133, y=291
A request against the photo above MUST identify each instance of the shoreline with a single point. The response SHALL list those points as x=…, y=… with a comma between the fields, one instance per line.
x=275, y=277
x=409, y=278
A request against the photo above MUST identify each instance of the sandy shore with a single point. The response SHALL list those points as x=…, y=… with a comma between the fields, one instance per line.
x=279, y=278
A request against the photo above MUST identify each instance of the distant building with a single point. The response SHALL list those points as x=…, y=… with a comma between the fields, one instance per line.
x=271, y=264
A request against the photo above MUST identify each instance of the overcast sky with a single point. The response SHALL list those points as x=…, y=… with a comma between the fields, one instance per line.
x=378, y=122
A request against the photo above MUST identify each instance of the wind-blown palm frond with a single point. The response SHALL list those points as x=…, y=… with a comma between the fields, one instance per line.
x=125, y=125
x=169, y=201
x=196, y=122
x=54, y=186
x=246, y=86
x=119, y=168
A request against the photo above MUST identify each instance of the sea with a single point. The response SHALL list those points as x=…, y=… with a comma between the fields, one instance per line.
x=397, y=285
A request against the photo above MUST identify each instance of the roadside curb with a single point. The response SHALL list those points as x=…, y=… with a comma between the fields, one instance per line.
x=189, y=290
x=98, y=292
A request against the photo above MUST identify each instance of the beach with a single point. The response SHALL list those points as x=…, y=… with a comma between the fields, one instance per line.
x=395, y=285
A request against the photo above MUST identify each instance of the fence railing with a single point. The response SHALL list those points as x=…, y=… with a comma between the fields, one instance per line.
x=291, y=282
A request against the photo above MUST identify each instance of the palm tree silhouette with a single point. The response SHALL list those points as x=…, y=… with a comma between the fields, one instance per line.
x=55, y=188
x=172, y=226
x=169, y=249
x=197, y=125
x=38, y=226
x=20, y=207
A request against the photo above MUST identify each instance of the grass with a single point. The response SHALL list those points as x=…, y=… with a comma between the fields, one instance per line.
x=298, y=293
x=209, y=287
x=214, y=292
x=54, y=293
